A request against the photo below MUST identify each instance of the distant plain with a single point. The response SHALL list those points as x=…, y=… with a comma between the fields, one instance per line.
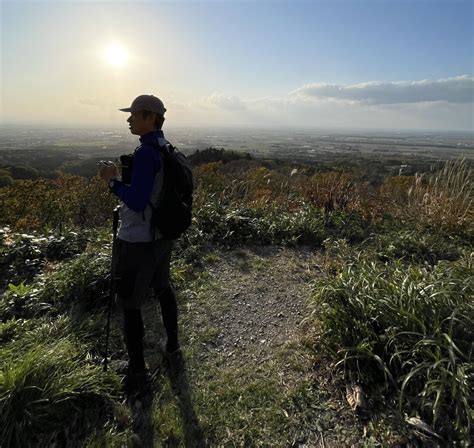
x=76, y=150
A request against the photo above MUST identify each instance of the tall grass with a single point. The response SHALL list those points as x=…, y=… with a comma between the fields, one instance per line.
x=409, y=330
x=332, y=191
x=52, y=389
x=50, y=394
x=444, y=198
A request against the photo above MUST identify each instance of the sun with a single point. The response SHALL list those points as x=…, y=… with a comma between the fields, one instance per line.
x=116, y=55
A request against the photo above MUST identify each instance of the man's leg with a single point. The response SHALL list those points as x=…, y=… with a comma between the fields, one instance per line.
x=129, y=293
x=169, y=313
x=134, y=332
x=165, y=293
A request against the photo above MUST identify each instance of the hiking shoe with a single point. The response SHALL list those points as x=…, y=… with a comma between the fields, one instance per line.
x=136, y=382
x=163, y=344
x=133, y=380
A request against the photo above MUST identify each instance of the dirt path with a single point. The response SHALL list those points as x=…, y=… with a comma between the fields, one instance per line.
x=248, y=379
x=265, y=290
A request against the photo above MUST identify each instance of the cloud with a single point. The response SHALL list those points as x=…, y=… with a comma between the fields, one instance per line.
x=225, y=102
x=457, y=90
x=442, y=104
x=90, y=101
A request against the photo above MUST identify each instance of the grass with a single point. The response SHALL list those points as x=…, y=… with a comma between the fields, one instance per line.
x=444, y=198
x=245, y=406
x=49, y=391
x=110, y=436
x=417, y=247
x=405, y=332
x=52, y=387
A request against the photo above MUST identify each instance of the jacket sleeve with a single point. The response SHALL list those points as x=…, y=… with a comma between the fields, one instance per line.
x=145, y=167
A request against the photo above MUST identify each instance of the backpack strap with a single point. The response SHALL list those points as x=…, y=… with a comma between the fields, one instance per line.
x=161, y=149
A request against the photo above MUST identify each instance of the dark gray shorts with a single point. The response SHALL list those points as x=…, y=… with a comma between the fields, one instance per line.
x=138, y=267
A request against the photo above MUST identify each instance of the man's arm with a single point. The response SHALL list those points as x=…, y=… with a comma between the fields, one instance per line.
x=137, y=195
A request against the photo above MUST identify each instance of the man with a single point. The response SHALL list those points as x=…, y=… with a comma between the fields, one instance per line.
x=142, y=256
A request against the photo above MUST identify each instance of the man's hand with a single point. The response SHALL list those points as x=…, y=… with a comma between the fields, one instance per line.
x=108, y=171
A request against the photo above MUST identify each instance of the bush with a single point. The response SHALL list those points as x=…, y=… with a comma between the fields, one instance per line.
x=81, y=283
x=44, y=204
x=416, y=247
x=5, y=180
x=22, y=256
x=262, y=225
x=408, y=329
x=332, y=191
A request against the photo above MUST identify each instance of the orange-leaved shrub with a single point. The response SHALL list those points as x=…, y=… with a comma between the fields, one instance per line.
x=45, y=204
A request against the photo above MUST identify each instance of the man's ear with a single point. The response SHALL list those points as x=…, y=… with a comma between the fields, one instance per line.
x=152, y=117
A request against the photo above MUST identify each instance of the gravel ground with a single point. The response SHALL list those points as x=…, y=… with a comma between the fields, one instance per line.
x=265, y=291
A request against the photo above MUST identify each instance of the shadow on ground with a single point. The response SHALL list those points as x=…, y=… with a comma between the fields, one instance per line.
x=177, y=374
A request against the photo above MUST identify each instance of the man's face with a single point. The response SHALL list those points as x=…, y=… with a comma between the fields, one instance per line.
x=139, y=125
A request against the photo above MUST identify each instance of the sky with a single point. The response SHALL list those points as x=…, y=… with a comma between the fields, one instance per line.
x=391, y=64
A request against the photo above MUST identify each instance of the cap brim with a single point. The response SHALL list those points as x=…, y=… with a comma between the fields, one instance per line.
x=127, y=109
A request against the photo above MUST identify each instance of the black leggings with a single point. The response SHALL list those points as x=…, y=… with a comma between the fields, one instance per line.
x=169, y=313
x=138, y=266
x=134, y=330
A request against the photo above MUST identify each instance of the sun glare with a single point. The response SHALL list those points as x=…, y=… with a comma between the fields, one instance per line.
x=116, y=55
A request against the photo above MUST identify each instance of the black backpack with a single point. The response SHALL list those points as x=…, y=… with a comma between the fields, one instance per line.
x=172, y=215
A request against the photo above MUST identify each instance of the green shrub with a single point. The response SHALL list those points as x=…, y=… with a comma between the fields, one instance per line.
x=345, y=225
x=22, y=256
x=409, y=329
x=264, y=225
x=273, y=224
x=416, y=247
x=303, y=226
x=68, y=201
x=80, y=283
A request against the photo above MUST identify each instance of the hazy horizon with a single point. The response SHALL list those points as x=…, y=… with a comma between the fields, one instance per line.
x=236, y=128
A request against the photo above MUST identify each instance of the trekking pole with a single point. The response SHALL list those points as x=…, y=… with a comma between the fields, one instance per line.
x=111, y=286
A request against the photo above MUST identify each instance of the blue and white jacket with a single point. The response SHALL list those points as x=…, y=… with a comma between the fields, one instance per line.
x=147, y=182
